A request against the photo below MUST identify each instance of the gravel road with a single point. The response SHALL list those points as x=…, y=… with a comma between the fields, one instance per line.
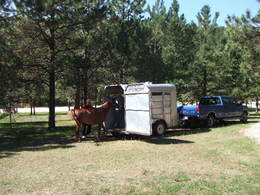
x=254, y=132
x=41, y=109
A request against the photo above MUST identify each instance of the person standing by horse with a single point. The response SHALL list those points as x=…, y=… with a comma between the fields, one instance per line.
x=96, y=116
x=87, y=106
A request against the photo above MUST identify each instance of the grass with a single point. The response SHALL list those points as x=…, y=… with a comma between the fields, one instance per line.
x=34, y=160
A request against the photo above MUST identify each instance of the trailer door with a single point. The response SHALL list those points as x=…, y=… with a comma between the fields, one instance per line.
x=137, y=113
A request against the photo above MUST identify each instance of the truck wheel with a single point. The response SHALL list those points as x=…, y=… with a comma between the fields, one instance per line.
x=210, y=121
x=244, y=117
x=159, y=128
x=183, y=124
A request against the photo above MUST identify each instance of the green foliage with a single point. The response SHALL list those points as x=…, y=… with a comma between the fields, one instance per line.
x=152, y=30
x=68, y=51
x=204, y=61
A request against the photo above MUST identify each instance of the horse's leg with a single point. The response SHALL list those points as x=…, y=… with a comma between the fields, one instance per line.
x=78, y=131
x=84, y=129
x=88, y=129
x=99, y=132
x=104, y=128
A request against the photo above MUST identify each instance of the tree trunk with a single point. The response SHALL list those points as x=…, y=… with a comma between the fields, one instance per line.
x=10, y=118
x=205, y=82
x=52, y=46
x=52, y=100
x=257, y=105
x=31, y=106
x=69, y=105
x=77, y=97
x=85, y=91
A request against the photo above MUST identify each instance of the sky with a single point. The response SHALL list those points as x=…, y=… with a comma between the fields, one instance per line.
x=190, y=8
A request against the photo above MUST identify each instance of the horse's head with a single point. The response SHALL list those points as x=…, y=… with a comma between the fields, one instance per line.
x=112, y=103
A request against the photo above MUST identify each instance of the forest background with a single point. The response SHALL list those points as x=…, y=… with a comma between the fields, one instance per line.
x=54, y=52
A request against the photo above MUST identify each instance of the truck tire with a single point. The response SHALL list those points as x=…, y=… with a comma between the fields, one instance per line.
x=183, y=124
x=159, y=128
x=244, y=117
x=211, y=120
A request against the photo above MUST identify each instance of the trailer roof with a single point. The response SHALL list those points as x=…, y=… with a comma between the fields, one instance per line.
x=160, y=86
x=146, y=87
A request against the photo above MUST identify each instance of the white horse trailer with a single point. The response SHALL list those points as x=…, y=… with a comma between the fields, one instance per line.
x=144, y=108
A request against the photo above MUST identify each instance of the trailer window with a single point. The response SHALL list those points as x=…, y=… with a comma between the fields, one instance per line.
x=156, y=93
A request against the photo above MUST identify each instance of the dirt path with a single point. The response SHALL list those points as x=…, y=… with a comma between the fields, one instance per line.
x=254, y=132
x=41, y=109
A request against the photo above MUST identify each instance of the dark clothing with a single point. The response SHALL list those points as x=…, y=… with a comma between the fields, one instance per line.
x=87, y=107
x=84, y=129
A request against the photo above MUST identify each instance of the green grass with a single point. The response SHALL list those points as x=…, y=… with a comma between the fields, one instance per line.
x=34, y=160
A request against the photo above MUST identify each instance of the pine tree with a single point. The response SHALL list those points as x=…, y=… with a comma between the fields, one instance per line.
x=50, y=24
x=204, y=63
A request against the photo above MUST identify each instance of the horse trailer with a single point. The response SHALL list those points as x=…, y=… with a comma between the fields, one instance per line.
x=143, y=108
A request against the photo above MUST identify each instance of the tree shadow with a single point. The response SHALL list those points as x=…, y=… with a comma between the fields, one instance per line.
x=149, y=139
x=13, y=141
x=24, y=125
x=3, y=115
x=186, y=131
x=233, y=122
x=200, y=127
x=254, y=117
x=165, y=141
x=254, y=114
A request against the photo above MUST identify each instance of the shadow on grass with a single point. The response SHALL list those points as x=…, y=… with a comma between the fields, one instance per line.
x=13, y=141
x=254, y=117
x=200, y=128
x=3, y=116
x=35, y=136
x=165, y=140
x=17, y=125
x=187, y=131
x=152, y=140
x=228, y=123
x=254, y=114
x=34, y=124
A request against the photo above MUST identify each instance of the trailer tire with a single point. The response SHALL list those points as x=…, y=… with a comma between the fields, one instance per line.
x=183, y=124
x=159, y=128
x=116, y=134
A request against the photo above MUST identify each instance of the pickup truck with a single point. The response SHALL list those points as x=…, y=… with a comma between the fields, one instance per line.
x=212, y=108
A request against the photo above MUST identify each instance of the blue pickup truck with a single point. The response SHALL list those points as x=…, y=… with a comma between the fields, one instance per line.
x=212, y=108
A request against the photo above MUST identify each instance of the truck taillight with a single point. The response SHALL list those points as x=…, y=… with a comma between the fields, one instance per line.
x=198, y=109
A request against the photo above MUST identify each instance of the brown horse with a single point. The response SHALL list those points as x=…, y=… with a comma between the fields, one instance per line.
x=91, y=117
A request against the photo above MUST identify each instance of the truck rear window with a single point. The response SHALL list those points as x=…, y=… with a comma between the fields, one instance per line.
x=229, y=100
x=209, y=101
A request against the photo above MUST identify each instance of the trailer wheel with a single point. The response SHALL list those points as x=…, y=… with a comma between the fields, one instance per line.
x=183, y=123
x=116, y=134
x=159, y=128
